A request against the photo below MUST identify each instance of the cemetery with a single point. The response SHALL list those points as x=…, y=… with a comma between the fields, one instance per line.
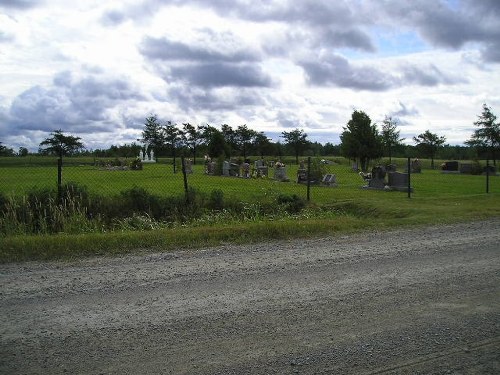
x=249, y=180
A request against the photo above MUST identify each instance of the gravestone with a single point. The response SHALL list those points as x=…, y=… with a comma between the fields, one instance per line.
x=329, y=180
x=490, y=169
x=450, y=167
x=377, y=178
x=301, y=175
x=245, y=169
x=398, y=181
x=234, y=170
x=210, y=168
x=390, y=168
x=466, y=168
x=225, y=168
x=416, y=166
x=280, y=174
x=188, y=166
x=261, y=170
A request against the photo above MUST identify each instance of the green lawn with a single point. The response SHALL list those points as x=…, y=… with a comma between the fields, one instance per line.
x=17, y=179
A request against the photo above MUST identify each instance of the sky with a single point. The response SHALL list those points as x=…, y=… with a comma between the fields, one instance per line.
x=97, y=68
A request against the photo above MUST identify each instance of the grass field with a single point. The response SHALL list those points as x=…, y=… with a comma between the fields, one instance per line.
x=159, y=179
x=437, y=198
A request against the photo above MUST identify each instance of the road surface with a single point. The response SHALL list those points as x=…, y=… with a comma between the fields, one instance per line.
x=420, y=300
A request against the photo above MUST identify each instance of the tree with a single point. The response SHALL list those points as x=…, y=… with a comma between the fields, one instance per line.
x=192, y=137
x=217, y=144
x=5, y=151
x=173, y=137
x=297, y=140
x=262, y=144
x=243, y=137
x=23, y=151
x=60, y=144
x=428, y=143
x=390, y=136
x=229, y=137
x=487, y=137
x=153, y=134
x=360, y=140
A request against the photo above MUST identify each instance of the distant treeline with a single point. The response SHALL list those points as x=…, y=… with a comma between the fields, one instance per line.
x=274, y=149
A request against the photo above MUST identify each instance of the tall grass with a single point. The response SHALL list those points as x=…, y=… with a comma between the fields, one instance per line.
x=74, y=210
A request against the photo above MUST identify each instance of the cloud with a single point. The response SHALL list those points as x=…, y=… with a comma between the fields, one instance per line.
x=429, y=75
x=403, y=111
x=214, y=100
x=222, y=74
x=222, y=62
x=77, y=104
x=335, y=70
x=113, y=17
x=167, y=50
x=446, y=26
x=6, y=37
x=20, y=4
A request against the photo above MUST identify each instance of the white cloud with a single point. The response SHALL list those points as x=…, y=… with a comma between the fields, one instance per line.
x=98, y=68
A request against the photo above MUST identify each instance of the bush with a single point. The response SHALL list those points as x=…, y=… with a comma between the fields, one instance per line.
x=291, y=203
x=216, y=200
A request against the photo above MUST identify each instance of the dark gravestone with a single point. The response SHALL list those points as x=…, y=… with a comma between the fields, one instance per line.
x=390, y=168
x=302, y=175
x=398, y=181
x=450, y=166
x=377, y=180
x=466, y=168
x=490, y=169
x=376, y=183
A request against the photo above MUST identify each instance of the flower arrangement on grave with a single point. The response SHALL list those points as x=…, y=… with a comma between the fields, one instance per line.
x=136, y=164
x=279, y=164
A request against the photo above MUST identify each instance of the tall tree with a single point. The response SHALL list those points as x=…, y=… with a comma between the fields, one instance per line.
x=23, y=151
x=6, y=151
x=297, y=141
x=216, y=144
x=360, y=140
x=244, y=137
x=153, y=134
x=487, y=136
x=173, y=137
x=429, y=143
x=60, y=144
x=390, y=135
x=262, y=144
x=229, y=137
x=192, y=137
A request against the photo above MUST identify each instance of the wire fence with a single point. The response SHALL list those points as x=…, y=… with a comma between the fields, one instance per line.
x=318, y=180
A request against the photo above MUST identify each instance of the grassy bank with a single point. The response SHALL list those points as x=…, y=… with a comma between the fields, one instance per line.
x=341, y=217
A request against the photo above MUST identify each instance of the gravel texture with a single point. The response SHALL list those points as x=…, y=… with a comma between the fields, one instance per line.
x=412, y=301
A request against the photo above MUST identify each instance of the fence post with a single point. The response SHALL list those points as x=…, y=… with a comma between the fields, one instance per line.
x=308, y=178
x=409, y=177
x=487, y=176
x=59, y=179
x=184, y=176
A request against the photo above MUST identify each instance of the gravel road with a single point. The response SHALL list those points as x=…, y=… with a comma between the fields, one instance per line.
x=411, y=301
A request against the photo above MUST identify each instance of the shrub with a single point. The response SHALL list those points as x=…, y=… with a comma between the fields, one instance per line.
x=216, y=200
x=291, y=203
